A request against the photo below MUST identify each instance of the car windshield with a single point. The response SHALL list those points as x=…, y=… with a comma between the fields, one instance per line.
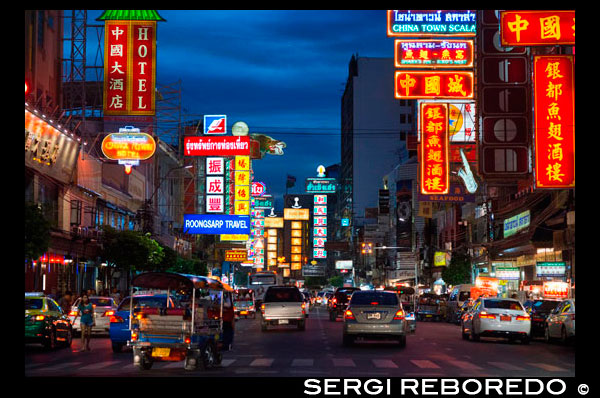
x=368, y=298
x=502, y=304
x=145, y=302
x=284, y=294
x=102, y=301
x=34, y=304
x=544, y=306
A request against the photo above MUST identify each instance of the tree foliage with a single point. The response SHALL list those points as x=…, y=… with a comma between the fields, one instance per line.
x=459, y=269
x=131, y=250
x=37, y=232
x=314, y=281
x=189, y=266
x=336, y=281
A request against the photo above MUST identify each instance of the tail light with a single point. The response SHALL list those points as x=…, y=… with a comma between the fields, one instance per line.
x=140, y=316
x=109, y=313
x=349, y=315
x=334, y=301
x=134, y=336
x=116, y=319
x=399, y=315
x=187, y=340
x=522, y=317
x=374, y=303
x=485, y=315
x=73, y=313
x=262, y=308
x=40, y=317
x=303, y=305
x=573, y=317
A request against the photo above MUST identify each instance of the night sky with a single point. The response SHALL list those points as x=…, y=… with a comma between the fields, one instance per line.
x=281, y=72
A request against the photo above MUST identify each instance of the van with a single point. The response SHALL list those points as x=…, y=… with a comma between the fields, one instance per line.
x=458, y=295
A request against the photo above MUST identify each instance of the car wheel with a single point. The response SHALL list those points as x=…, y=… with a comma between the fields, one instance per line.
x=525, y=340
x=302, y=325
x=69, y=338
x=474, y=336
x=207, y=356
x=547, y=337
x=117, y=347
x=465, y=336
x=402, y=341
x=50, y=342
x=564, y=339
x=347, y=340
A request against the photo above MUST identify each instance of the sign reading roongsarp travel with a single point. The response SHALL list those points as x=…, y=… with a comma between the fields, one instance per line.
x=216, y=224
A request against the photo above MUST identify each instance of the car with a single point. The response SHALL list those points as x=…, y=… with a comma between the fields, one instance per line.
x=307, y=302
x=411, y=319
x=319, y=298
x=339, y=301
x=429, y=307
x=458, y=295
x=374, y=314
x=560, y=323
x=45, y=322
x=327, y=297
x=497, y=317
x=539, y=311
x=119, y=322
x=283, y=305
x=104, y=307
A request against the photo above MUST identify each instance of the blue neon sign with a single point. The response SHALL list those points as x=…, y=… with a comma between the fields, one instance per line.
x=216, y=224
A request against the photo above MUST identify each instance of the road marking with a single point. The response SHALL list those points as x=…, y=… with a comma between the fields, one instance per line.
x=61, y=366
x=549, y=368
x=465, y=365
x=384, y=363
x=226, y=362
x=343, y=362
x=424, y=364
x=262, y=362
x=505, y=366
x=303, y=362
x=99, y=365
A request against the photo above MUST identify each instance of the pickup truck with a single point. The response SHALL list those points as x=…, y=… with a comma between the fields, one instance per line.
x=283, y=305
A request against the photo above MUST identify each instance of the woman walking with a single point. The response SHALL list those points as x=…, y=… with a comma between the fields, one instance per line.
x=86, y=309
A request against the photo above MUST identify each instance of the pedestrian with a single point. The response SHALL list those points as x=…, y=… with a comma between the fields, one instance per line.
x=66, y=302
x=86, y=310
x=116, y=296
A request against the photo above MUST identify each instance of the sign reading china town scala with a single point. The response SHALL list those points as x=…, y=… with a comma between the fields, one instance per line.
x=424, y=23
x=128, y=146
x=433, y=84
x=537, y=28
x=216, y=146
x=434, y=159
x=554, y=104
x=129, y=61
x=439, y=53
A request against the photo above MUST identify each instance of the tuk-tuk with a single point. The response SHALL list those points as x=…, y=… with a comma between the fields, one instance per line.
x=193, y=333
x=243, y=303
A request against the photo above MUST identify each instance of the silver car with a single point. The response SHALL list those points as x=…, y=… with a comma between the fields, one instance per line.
x=374, y=314
x=104, y=307
x=561, y=322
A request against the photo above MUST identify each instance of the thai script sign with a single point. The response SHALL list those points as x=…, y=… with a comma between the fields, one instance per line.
x=120, y=146
x=550, y=268
x=320, y=185
x=431, y=23
x=216, y=146
x=537, y=28
x=516, y=223
x=235, y=255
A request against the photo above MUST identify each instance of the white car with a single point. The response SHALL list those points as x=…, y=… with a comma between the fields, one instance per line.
x=104, y=307
x=561, y=322
x=497, y=317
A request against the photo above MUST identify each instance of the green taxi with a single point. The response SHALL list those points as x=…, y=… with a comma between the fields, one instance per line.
x=45, y=322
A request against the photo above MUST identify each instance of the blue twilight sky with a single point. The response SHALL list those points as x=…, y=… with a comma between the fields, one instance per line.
x=282, y=72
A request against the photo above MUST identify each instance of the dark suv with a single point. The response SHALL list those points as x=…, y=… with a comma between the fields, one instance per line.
x=338, y=303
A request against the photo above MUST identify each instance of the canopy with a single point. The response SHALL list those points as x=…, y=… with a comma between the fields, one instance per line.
x=170, y=280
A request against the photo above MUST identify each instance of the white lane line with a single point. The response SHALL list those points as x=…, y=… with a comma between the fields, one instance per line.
x=343, y=362
x=226, y=362
x=384, y=363
x=61, y=366
x=465, y=365
x=549, y=368
x=303, y=362
x=99, y=365
x=505, y=366
x=262, y=362
x=424, y=364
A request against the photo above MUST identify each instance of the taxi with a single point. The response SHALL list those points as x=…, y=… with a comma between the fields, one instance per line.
x=45, y=322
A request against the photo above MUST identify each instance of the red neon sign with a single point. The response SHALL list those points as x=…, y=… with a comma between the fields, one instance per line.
x=434, y=159
x=129, y=67
x=554, y=98
x=128, y=146
x=433, y=53
x=537, y=28
x=430, y=85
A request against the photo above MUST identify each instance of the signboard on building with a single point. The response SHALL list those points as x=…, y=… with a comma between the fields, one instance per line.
x=230, y=237
x=433, y=84
x=555, y=289
x=507, y=273
x=343, y=264
x=296, y=214
x=215, y=124
x=236, y=255
x=516, y=223
x=264, y=202
x=216, y=224
x=434, y=159
x=320, y=185
x=537, y=28
x=406, y=23
x=216, y=146
x=438, y=53
x=313, y=270
x=554, y=115
x=550, y=268
x=128, y=146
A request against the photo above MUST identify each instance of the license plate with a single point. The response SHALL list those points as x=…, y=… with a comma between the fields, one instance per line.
x=428, y=316
x=161, y=352
x=244, y=312
x=283, y=321
x=375, y=315
x=505, y=318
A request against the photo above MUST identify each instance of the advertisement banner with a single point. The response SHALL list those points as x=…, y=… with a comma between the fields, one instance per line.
x=537, y=28
x=434, y=158
x=216, y=146
x=215, y=124
x=343, y=264
x=554, y=115
x=216, y=224
x=236, y=255
x=550, y=269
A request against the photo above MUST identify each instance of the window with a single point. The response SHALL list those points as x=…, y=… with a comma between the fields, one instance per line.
x=367, y=298
x=76, y=212
x=503, y=304
x=283, y=294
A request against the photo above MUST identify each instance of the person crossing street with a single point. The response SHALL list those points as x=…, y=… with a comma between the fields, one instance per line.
x=86, y=310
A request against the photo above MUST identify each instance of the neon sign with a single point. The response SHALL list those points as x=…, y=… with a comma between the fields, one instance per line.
x=433, y=53
x=554, y=98
x=434, y=159
x=430, y=85
x=537, y=28
x=128, y=146
x=431, y=23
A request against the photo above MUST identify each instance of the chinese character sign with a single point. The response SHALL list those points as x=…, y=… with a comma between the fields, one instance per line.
x=554, y=98
x=537, y=28
x=129, y=67
x=433, y=53
x=433, y=162
x=431, y=23
x=428, y=85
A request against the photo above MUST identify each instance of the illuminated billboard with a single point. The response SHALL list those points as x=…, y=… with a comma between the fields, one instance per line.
x=434, y=159
x=433, y=84
x=439, y=53
x=216, y=146
x=537, y=28
x=401, y=23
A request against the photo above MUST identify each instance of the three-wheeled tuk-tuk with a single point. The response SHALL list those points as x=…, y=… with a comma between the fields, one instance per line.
x=192, y=333
x=243, y=303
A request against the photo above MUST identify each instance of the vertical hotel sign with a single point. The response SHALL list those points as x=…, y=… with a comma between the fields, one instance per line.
x=554, y=97
x=129, y=62
x=434, y=162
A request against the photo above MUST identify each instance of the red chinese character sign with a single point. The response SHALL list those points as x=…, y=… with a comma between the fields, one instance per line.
x=554, y=97
x=437, y=53
x=434, y=159
x=430, y=85
x=129, y=61
x=537, y=28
